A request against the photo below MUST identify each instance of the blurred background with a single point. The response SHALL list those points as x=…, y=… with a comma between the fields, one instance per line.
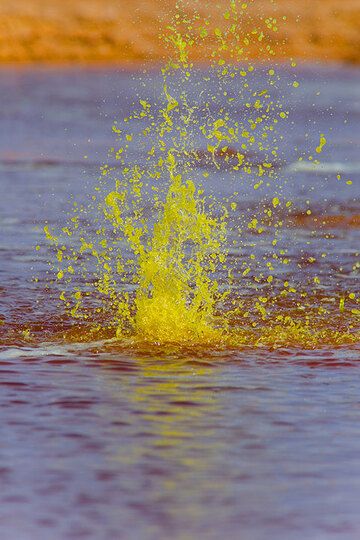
x=126, y=31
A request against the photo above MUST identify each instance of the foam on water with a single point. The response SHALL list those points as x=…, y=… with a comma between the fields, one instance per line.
x=325, y=167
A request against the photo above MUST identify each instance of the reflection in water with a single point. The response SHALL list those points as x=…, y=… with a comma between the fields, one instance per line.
x=173, y=444
x=102, y=445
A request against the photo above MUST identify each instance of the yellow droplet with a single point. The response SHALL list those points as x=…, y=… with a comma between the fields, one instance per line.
x=275, y=202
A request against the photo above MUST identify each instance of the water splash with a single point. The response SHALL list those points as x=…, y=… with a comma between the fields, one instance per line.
x=149, y=257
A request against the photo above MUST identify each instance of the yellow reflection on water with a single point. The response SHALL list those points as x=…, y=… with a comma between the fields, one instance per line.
x=170, y=443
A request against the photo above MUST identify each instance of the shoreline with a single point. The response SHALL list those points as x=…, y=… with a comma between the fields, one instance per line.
x=153, y=67
x=101, y=32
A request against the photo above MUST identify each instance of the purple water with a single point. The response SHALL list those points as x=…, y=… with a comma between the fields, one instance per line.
x=102, y=444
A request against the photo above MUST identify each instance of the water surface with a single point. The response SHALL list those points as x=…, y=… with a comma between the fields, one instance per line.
x=99, y=442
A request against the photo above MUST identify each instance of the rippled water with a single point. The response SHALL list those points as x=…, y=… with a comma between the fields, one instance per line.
x=102, y=443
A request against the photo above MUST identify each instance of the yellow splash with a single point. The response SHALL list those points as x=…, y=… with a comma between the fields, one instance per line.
x=143, y=259
x=176, y=296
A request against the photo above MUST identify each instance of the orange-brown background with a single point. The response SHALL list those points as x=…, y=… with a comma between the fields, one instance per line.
x=127, y=30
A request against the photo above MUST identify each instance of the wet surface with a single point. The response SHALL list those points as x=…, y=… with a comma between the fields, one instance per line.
x=107, y=446
x=99, y=442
